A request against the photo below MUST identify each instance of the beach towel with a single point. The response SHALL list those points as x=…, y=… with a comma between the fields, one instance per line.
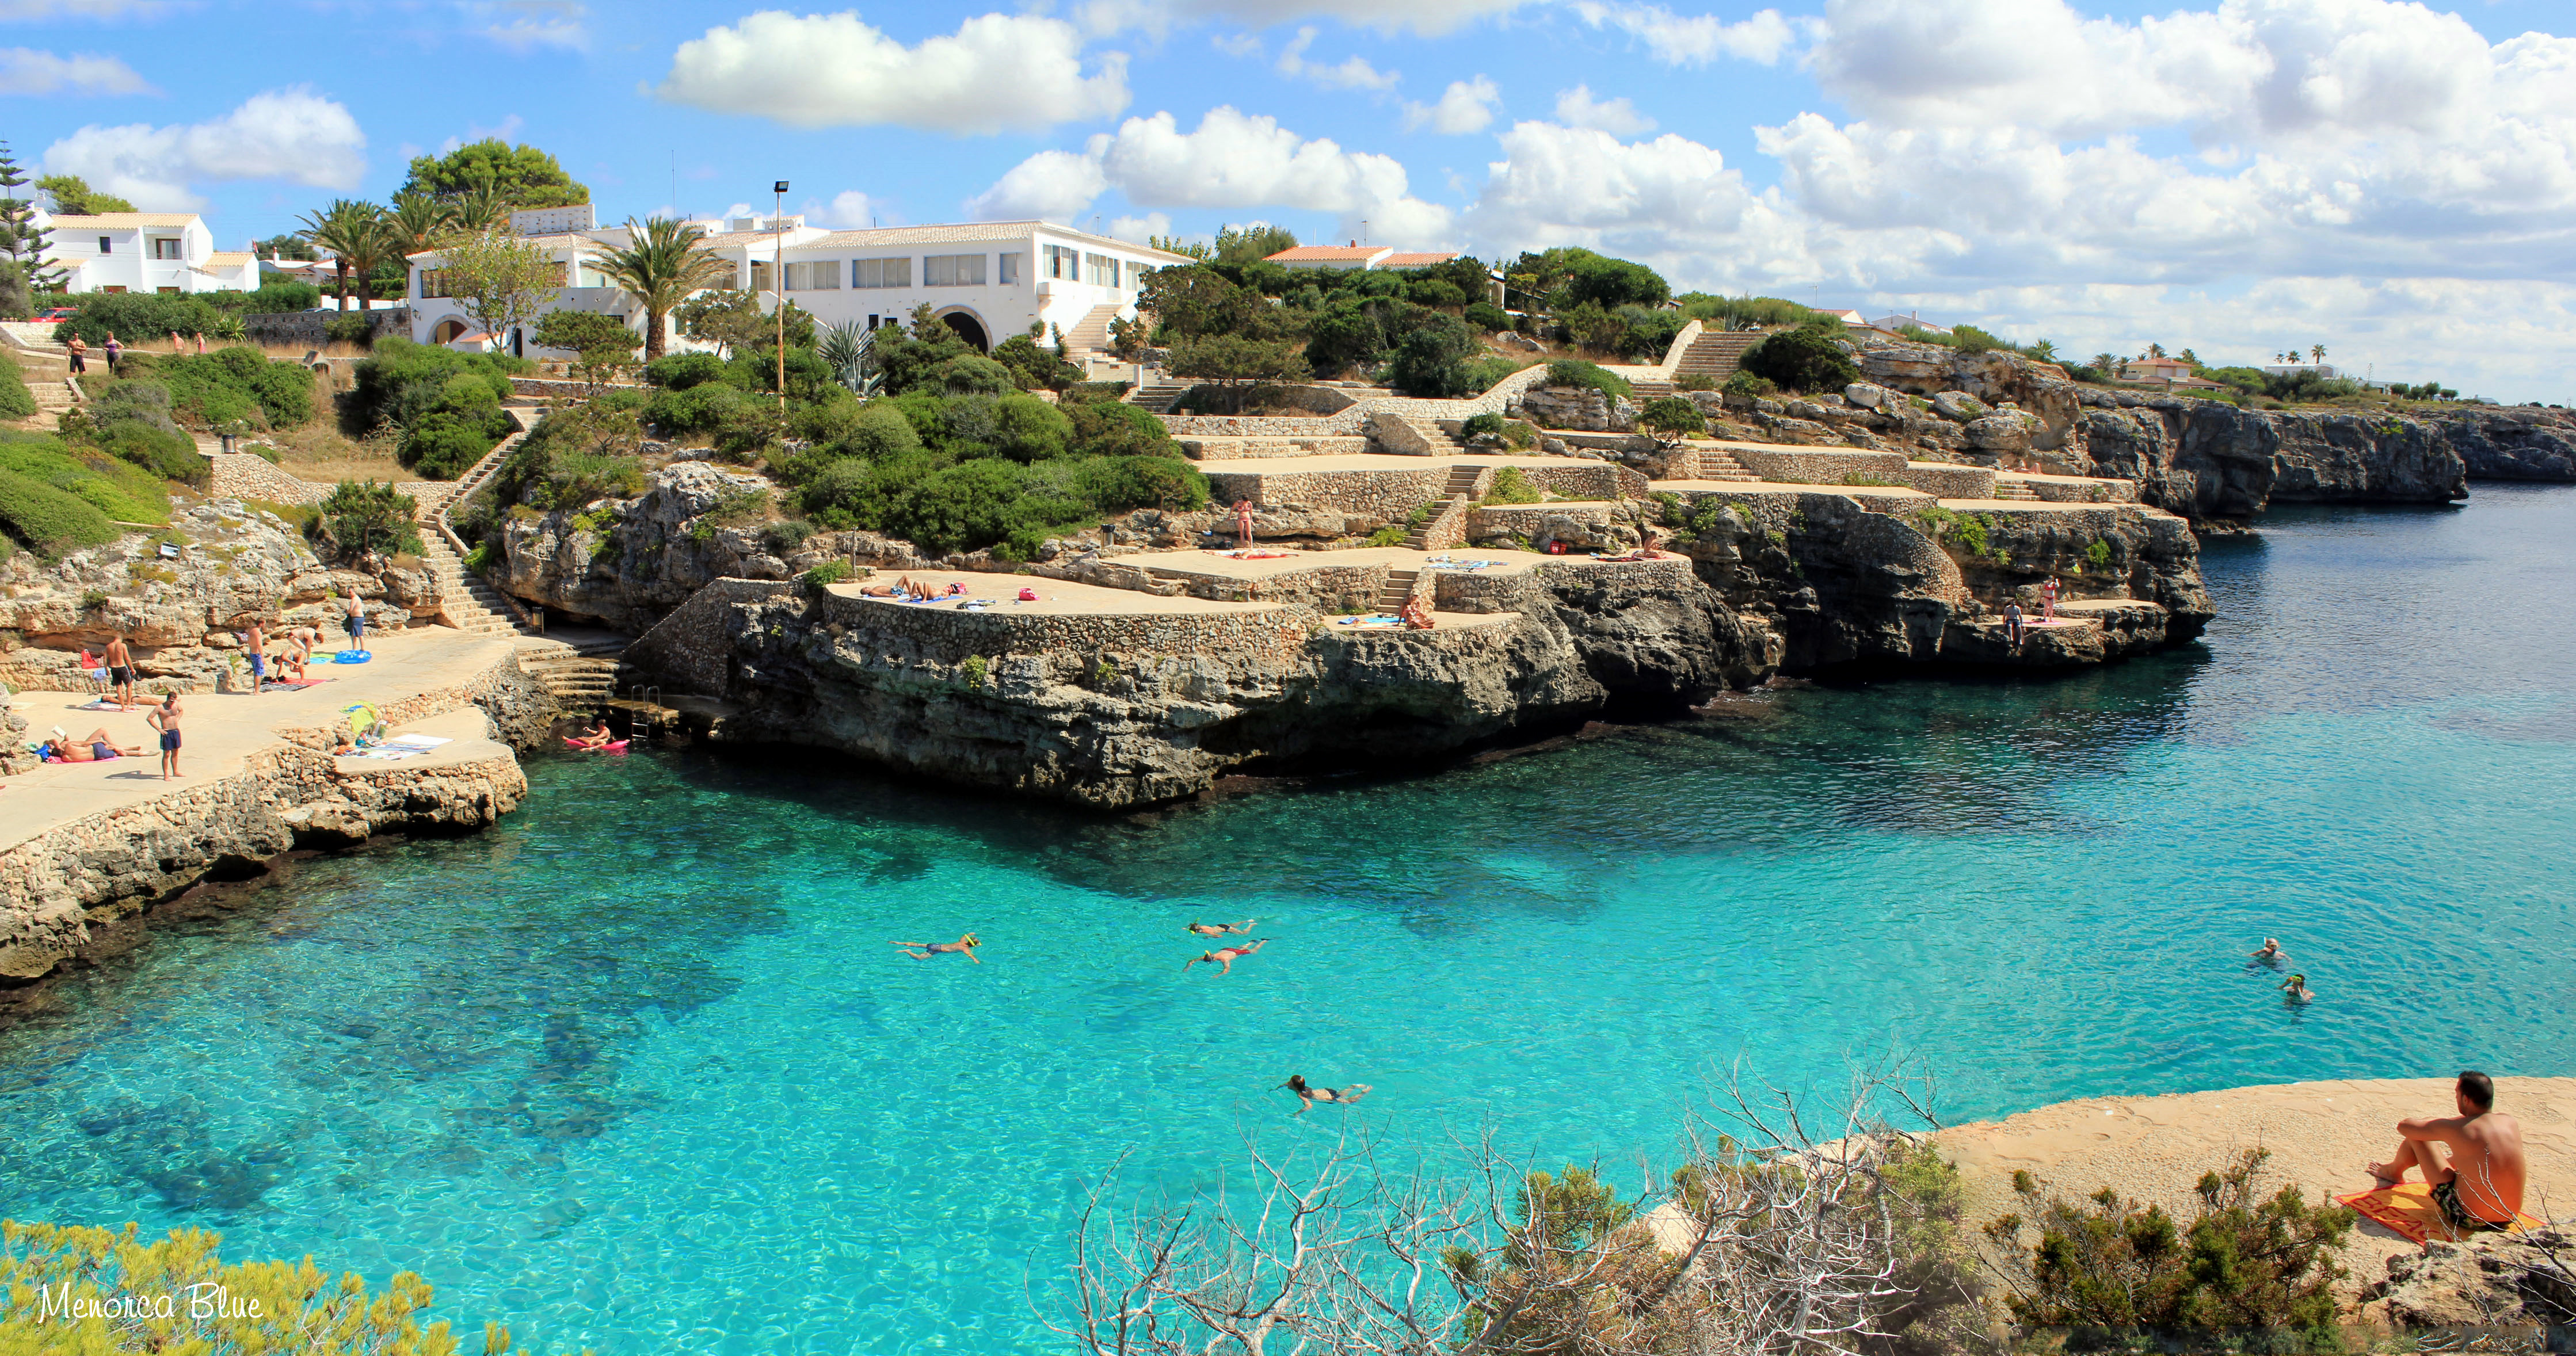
x=1380, y=619
x=1240, y=554
x=102, y=704
x=345, y=657
x=292, y=682
x=419, y=741
x=2408, y=1209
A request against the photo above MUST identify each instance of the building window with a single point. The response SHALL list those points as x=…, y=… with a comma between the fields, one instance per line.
x=1012, y=268
x=953, y=270
x=107, y=244
x=166, y=249
x=1064, y=263
x=759, y=275
x=1103, y=270
x=433, y=283
x=823, y=275
x=167, y=291
x=881, y=272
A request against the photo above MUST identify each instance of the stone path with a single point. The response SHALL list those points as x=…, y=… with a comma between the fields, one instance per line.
x=223, y=729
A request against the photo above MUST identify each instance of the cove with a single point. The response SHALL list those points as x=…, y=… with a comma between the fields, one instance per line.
x=637, y=1069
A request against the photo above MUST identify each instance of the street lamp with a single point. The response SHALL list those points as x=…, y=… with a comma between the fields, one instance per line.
x=778, y=284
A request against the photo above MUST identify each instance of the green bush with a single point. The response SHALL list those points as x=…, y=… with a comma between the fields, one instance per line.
x=680, y=371
x=828, y=573
x=1034, y=367
x=445, y=444
x=1094, y=391
x=1671, y=415
x=1479, y=425
x=401, y=381
x=1512, y=487
x=365, y=515
x=2247, y=1266
x=135, y=317
x=1431, y=362
x=48, y=520
x=236, y=384
x=272, y=298
x=574, y=456
x=118, y=489
x=130, y=420
x=1695, y=381
x=1116, y=429
x=1484, y=374
x=697, y=409
x=1485, y=315
x=1576, y=372
x=16, y=401
x=1749, y=385
x=1808, y=358
x=1116, y=484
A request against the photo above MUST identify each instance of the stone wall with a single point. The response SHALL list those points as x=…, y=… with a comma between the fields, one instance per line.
x=242, y=475
x=1816, y=466
x=691, y=650
x=1380, y=494
x=310, y=328
x=1943, y=481
x=1214, y=448
x=552, y=388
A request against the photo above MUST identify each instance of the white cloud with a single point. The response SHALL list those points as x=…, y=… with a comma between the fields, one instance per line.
x=1676, y=40
x=848, y=208
x=525, y=25
x=1231, y=160
x=1429, y=18
x=54, y=11
x=509, y=126
x=1466, y=106
x=1351, y=73
x=1048, y=186
x=1577, y=108
x=998, y=72
x=293, y=135
x=1138, y=230
x=24, y=70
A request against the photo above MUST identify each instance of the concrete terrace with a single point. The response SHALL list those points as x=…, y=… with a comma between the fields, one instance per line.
x=224, y=730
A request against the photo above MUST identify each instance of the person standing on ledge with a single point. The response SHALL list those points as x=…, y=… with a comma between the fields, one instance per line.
x=357, y=618
x=2048, y=600
x=2012, y=625
x=2480, y=1189
x=1243, y=523
x=120, y=669
x=165, y=718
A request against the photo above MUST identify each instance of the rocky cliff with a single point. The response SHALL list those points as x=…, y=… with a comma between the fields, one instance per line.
x=2521, y=443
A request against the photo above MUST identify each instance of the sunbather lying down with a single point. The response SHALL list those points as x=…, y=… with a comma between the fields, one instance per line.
x=94, y=747
x=911, y=590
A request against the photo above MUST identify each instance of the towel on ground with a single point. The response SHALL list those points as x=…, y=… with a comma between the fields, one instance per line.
x=2408, y=1209
x=103, y=704
x=414, y=741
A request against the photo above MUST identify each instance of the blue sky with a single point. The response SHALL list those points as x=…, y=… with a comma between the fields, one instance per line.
x=2236, y=176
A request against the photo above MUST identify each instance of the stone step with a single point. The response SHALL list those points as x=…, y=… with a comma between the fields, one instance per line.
x=1396, y=591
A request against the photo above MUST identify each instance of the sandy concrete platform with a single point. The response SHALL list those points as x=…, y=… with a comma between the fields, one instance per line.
x=221, y=730
x=2154, y=1149
x=1211, y=565
x=1055, y=597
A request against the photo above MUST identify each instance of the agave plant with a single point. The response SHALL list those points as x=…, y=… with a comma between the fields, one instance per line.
x=851, y=349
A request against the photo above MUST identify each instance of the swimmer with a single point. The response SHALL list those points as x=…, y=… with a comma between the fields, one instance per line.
x=964, y=946
x=2271, y=954
x=1308, y=1095
x=1221, y=929
x=596, y=737
x=1224, y=957
x=2296, y=987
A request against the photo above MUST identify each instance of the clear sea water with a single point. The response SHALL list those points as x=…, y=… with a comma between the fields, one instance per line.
x=638, y=1071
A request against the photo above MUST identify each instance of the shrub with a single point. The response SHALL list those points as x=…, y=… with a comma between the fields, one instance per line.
x=2243, y=1264
x=1431, y=362
x=49, y=520
x=1670, y=415
x=749, y=433
x=1808, y=358
x=166, y=455
x=1749, y=385
x=402, y=381
x=1034, y=367
x=786, y=535
x=1091, y=391
x=443, y=445
x=1480, y=425
x=1695, y=381
x=365, y=515
x=1349, y=335
x=1484, y=374
x=16, y=401
x=236, y=384
x=1117, y=429
x=134, y=317
x=1117, y=484
x=969, y=373
x=1512, y=487
x=572, y=457
x=1576, y=372
x=1487, y=316
x=353, y=327
x=696, y=409
x=2098, y=554
x=680, y=371
x=828, y=573
x=118, y=489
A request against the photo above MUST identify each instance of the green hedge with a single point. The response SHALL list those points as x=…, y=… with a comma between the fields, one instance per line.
x=115, y=488
x=236, y=384
x=16, y=401
x=1576, y=372
x=43, y=518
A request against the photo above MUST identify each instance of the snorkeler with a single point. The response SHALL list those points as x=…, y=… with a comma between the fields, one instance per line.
x=1224, y=957
x=2271, y=954
x=1308, y=1095
x=964, y=946
x=1221, y=929
x=2296, y=987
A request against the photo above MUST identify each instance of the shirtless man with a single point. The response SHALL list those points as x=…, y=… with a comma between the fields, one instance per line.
x=596, y=737
x=1221, y=929
x=2480, y=1189
x=964, y=946
x=256, y=646
x=94, y=747
x=120, y=669
x=1224, y=957
x=1308, y=1095
x=165, y=718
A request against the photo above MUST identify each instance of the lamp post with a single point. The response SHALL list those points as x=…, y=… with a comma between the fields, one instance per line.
x=778, y=284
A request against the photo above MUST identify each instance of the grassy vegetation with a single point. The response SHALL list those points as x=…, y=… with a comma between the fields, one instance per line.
x=62, y=495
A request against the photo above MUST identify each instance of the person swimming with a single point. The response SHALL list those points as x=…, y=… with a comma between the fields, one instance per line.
x=2271, y=954
x=1221, y=929
x=1308, y=1095
x=1224, y=957
x=964, y=946
x=2297, y=990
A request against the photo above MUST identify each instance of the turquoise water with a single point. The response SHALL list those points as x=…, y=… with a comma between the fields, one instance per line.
x=637, y=1070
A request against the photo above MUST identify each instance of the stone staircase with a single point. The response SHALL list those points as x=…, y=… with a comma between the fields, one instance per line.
x=2008, y=487
x=1453, y=497
x=1091, y=333
x=1443, y=443
x=1157, y=395
x=1716, y=463
x=1714, y=355
x=579, y=674
x=1395, y=592
x=472, y=604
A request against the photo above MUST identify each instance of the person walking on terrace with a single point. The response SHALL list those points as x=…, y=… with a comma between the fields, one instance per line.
x=120, y=669
x=165, y=718
x=115, y=353
x=357, y=622
x=78, y=353
x=2478, y=1183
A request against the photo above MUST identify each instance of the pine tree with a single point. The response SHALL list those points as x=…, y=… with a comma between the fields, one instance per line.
x=20, y=237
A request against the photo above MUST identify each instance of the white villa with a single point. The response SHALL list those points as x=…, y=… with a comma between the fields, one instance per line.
x=987, y=280
x=146, y=252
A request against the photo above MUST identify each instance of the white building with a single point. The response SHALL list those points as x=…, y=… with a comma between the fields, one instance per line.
x=146, y=252
x=988, y=280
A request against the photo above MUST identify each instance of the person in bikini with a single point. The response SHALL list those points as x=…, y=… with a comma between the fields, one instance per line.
x=1224, y=957
x=94, y=747
x=596, y=737
x=2479, y=1188
x=1221, y=929
x=1308, y=1095
x=964, y=946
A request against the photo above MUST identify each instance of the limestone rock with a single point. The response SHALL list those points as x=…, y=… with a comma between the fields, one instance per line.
x=2005, y=432
x=2522, y=442
x=2489, y=1280
x=1868, y=395
x=1959, y=405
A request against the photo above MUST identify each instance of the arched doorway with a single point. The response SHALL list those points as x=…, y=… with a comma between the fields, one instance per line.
x=448, y=330
x=969, y=329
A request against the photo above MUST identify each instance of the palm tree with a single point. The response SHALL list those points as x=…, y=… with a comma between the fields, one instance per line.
x=2106, y=364
x=2318, y=352
x=482, y=209
x=419, y=220
x=348, y=229
x=661, y=267
x=2155, y=350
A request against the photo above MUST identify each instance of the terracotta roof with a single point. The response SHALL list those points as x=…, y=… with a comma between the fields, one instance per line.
x=128, y=219
x=1413, y=260
x=229, y=258
x=1320, y=254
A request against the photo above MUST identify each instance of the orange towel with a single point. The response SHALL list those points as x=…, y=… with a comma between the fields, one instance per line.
x=2408, y=1208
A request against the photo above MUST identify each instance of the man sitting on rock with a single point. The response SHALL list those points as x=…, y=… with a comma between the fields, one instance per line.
x=2480, y=1189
